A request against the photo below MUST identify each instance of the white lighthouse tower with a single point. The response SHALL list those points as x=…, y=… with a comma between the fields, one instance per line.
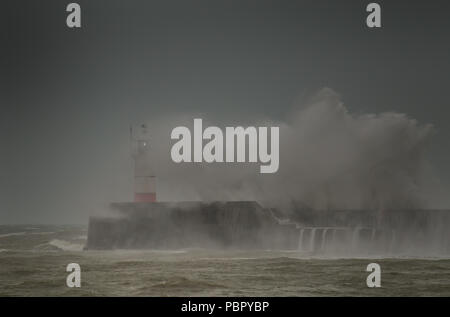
x=144, y=177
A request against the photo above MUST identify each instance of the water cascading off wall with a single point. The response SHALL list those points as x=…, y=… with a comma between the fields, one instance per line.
x=357, y=240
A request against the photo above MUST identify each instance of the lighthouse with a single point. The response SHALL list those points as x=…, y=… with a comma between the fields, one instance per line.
x=144, y=176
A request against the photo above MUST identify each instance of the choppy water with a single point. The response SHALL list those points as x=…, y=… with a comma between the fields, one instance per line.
x=33, y=261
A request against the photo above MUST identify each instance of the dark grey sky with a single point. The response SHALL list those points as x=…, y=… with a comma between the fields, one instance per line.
x=69, y=95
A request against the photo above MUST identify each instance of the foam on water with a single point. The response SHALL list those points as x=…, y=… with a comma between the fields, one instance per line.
x=12, y=234
x=66, y=245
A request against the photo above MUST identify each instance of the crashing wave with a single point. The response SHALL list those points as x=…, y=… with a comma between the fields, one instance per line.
x=66, y=245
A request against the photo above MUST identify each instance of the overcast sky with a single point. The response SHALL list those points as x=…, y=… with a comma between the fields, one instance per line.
x=68, y=96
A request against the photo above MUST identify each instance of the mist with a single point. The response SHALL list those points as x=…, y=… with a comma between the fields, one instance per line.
x=330, y=158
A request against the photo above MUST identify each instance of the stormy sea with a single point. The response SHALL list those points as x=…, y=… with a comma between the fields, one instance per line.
x=33, y=260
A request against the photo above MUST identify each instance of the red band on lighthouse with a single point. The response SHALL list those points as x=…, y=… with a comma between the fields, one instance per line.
x=144, y=197
x=144, y=188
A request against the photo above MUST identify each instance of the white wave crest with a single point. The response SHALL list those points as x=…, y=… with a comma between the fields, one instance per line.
x=12, y=234
x=66, y=245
